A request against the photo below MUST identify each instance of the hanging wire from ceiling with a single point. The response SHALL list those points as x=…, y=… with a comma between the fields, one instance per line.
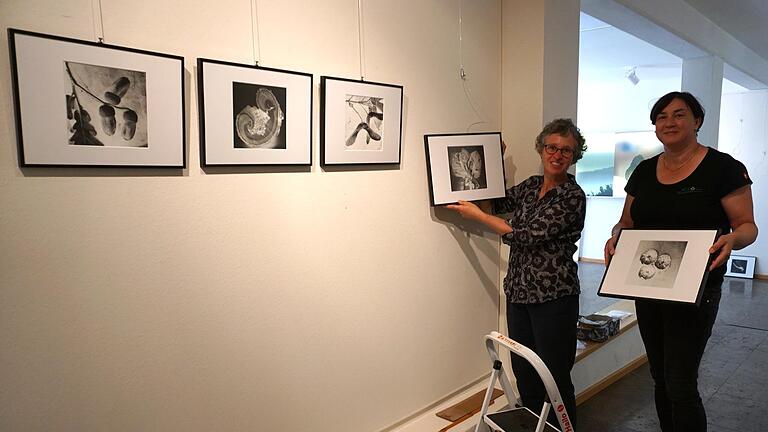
x=462, y=72
x=255, y=36
x=360, y=38
x=97, y=16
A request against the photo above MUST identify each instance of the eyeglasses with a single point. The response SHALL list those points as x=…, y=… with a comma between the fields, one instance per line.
x=552, y=149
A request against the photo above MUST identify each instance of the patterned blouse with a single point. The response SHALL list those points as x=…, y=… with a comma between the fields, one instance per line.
x=543, y=239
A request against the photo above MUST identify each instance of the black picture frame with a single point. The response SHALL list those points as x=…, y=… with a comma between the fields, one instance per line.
x=117, y=106
x=664, y=265
x=361, y=122
x=741, y=266
x=253, y=115
x=464, y=166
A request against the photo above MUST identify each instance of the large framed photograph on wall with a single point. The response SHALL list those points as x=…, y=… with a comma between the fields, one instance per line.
x=669, y=265
x=361, y=122
x=466, y=167
x=86, y=104
x=252, y=115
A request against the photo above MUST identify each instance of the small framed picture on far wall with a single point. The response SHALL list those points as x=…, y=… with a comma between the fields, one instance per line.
x=741, y=266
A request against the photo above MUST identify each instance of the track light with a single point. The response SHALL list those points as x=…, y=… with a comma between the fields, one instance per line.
x=632, y=76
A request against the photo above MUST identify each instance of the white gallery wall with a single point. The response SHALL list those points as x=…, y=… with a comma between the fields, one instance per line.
x=743, y=128
x=248, y=298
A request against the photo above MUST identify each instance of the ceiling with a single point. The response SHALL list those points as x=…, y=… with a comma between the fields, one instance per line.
x=607, y=53
x=745, y=20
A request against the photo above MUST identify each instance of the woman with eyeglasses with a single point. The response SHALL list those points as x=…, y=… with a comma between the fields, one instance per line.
x=543, y=219
x=688, y=186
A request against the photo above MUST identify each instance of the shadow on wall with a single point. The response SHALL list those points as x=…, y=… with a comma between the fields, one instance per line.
x=463, y=231
x=510, y=169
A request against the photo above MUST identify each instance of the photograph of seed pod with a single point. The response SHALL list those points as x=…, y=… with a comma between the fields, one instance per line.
x=364, y=122
x=105, y=106
x=656, y=263
x=361, y=122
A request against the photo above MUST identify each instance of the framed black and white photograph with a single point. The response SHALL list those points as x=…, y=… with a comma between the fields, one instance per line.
x=361, y=122
x=667, y=265
x=252, y=115
x=465, y=167
x=741, y=266
x=85, y=104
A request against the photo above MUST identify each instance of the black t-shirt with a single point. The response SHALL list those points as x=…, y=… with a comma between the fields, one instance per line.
x=692, y=203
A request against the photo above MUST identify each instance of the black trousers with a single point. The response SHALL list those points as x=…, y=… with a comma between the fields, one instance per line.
x=675, y=336
x=549, y=329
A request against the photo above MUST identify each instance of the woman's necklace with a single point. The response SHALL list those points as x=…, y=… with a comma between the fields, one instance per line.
x=693, y=153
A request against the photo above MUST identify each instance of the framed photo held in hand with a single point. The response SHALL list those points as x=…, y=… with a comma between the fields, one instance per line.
x=670, y=265
x=464, y=167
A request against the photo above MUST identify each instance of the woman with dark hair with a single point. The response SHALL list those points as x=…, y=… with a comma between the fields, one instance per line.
x=688, y=186
x=545, y=216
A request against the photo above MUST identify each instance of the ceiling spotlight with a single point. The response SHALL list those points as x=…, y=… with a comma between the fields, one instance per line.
x=632, y=76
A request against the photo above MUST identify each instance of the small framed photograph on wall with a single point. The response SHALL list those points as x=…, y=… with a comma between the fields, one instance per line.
x=361, y=122
x=741, y=266
x=85, y=104
x=252, y=115
x=466, y=167
x=669, y=265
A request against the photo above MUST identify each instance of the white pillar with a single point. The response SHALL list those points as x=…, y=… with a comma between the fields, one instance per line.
x=540, y=69
x=703, y=77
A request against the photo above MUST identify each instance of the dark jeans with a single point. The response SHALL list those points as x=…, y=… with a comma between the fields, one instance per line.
x=549, y=329
x=675, y=336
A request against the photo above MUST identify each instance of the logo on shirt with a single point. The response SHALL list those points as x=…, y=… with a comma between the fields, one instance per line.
x=690, y=190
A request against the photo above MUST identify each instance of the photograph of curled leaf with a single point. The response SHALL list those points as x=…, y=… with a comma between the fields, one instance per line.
x=467, y=168
x=253, y=115
x=259, y=116
x=105, y=106
x=364, y=122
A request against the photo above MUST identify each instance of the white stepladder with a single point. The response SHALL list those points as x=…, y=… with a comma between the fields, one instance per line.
x=520, y=418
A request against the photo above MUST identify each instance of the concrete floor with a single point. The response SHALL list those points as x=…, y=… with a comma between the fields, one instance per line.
x=733, y=378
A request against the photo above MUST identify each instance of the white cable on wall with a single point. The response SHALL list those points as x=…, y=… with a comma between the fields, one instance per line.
x=360, y=37
x=255, y=36
x=97, y=17
x=463, y=73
